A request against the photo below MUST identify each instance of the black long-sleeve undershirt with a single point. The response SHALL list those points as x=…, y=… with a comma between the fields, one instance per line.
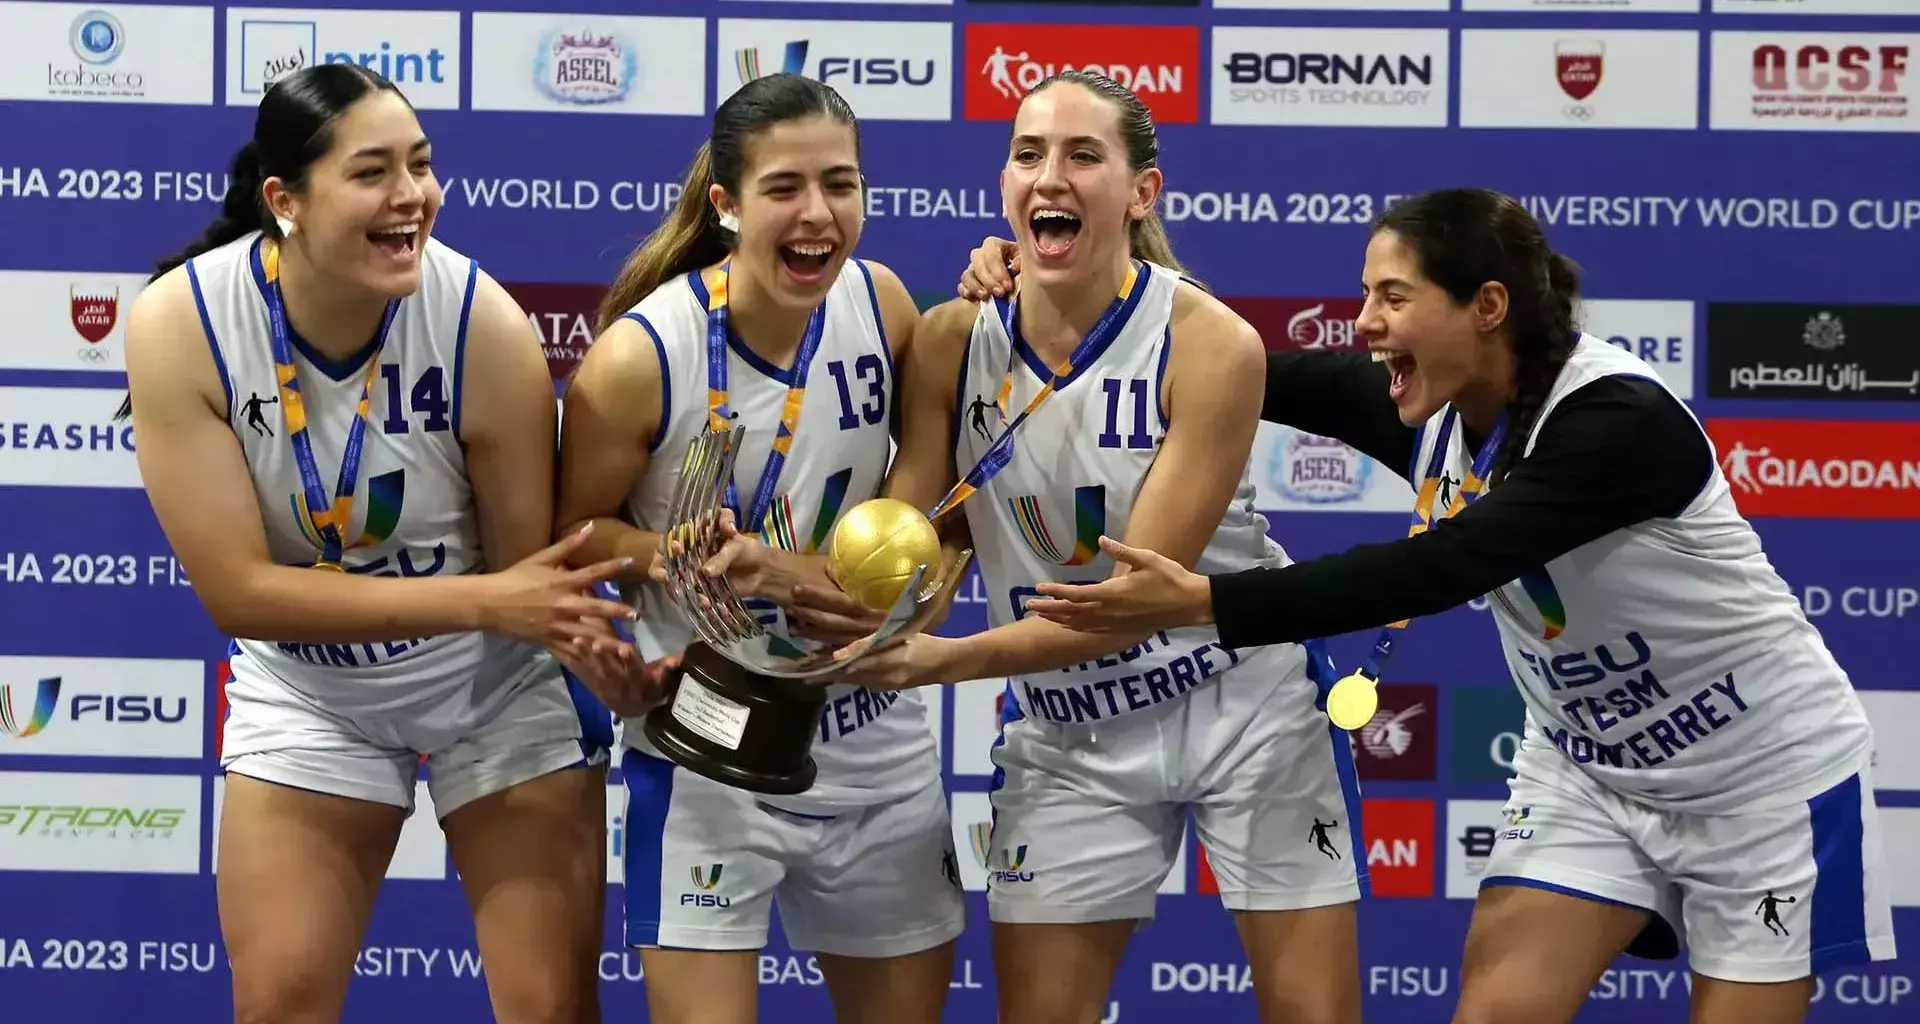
x=1616, y=452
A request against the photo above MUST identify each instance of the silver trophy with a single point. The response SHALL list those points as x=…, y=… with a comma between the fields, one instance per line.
x=743, y=713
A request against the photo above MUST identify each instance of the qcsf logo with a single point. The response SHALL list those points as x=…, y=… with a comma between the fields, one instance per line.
x=103, y=707
x=419, y=51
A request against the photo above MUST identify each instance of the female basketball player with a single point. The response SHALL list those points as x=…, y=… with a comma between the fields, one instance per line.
x=316, y=333
x=1695, y=762
x=1129, y=400
x=746, y=308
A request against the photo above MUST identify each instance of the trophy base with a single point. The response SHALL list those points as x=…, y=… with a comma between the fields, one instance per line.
x=738, y=727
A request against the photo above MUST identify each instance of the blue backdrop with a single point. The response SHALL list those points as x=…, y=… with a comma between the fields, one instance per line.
x=1712, y=164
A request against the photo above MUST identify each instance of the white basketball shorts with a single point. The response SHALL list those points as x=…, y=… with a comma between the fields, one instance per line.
x=277, y=734
x=706, y=862
x=1763, y=896
x=1087, y=819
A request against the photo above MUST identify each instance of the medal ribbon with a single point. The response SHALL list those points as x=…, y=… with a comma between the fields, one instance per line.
x=1000, y=452
x=330, y=519
x=719, y=415
x=1423, y=518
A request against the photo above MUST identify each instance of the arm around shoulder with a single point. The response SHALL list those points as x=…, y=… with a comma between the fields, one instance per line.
x=923, y=468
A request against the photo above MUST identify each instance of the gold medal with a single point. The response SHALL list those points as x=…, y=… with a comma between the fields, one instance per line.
x=1352, y=702
x=324, y=564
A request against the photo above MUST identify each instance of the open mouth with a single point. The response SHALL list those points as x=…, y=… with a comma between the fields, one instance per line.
x=1400, y=367
x=806, y=261
x=399, y=242
x=1054, y=232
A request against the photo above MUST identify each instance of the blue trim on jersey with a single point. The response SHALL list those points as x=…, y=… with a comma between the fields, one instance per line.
x=336, y=369
x=649, y=795
x=206, y=324
x=1321, y=673
x=666, y=380
x=879, y=322
x=959, y=395
x=783, y=377
x=1160, y=376
x=460, y=346
x=1837, y=934
x=1039, y=366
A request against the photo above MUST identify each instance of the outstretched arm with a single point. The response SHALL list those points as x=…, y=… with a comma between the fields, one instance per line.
x=1213, y=397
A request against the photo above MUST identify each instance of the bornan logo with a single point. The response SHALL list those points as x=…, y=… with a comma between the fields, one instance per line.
x=1160, y=64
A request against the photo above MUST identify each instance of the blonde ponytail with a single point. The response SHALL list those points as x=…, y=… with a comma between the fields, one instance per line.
x=1147, y=238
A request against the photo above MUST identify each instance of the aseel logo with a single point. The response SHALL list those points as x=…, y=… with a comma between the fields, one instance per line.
x=1831, y=81
x=1160, y=64
x=1845, y=470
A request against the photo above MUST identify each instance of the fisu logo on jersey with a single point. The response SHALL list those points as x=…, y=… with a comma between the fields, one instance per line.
x=706, y=878
x=1089, y=522
x=1610, y=708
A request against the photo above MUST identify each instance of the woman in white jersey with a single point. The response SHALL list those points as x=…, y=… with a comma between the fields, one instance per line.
x=358, y=514
x=747, y=308
x=1695, y=764
x=1128, y=399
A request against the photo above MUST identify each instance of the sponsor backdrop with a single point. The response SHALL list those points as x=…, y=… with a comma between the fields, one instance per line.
x=1734, y=175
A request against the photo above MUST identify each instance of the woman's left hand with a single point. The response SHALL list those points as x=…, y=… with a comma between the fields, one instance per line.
x=1150, y=592
x=900, y=664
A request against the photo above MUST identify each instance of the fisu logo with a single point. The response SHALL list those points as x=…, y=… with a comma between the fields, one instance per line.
x=706, y=877
x=24, y=718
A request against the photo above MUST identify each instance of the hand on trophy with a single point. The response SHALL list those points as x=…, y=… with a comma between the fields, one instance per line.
x=825, y=613
x=905, y=661
x=748, y=563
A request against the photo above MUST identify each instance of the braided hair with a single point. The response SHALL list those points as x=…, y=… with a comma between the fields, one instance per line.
x=1466, y=238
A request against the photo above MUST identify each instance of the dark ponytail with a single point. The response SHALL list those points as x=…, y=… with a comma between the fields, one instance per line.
x=292, y=129
x=691, y=237
x=1466, y=238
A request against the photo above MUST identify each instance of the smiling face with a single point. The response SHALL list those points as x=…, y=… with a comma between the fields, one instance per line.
x=800, y=206
x=368, y=203
x=1069, y=193
x=1435, y=347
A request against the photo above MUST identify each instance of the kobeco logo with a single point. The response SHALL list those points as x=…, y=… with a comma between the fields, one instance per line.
x=1838, y=469
x=1160, y=64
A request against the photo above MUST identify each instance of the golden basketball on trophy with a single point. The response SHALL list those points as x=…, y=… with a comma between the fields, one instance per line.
x=877, y=547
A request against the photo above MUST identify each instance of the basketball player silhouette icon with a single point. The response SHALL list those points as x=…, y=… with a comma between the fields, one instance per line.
x=254, y=419
x=1769, y=911
x=1319, y=836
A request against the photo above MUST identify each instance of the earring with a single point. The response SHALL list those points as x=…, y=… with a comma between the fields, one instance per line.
x=730, y=222
x=286, y=226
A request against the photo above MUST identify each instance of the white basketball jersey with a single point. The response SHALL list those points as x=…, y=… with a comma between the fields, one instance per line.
x=1669, y=660
x=872, y=746
x=413, y=512
x=1078, y=463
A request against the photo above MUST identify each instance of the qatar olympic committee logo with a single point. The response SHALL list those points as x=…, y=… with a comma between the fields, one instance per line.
x=96, y=37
